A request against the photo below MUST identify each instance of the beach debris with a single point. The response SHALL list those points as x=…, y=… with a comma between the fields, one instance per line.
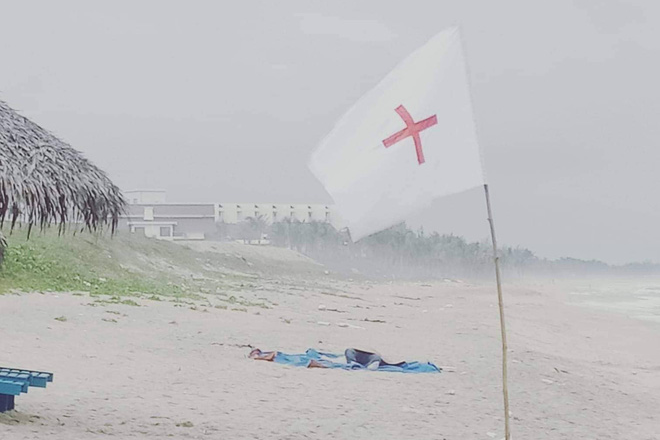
x=377, y=321
x=323, y=323
x=548, y=381
x=451, y=392
x=491, y=434
x=323, y=308
x=233, y=345
x=408, y=297
x=347, y=325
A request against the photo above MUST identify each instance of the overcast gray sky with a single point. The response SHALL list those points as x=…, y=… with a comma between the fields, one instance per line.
x=224, y=101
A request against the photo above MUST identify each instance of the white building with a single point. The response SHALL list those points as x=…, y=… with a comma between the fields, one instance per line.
x=272, y=212
x=170, y=221
x=145, y=196
x=149, y=213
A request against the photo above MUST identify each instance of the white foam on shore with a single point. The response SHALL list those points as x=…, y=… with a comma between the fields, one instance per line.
x=633, y=300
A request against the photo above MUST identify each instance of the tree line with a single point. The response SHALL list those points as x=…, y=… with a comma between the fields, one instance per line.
x=400, y=251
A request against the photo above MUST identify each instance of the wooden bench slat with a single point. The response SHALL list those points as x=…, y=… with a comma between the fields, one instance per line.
x=12, y=387
x=36, y=378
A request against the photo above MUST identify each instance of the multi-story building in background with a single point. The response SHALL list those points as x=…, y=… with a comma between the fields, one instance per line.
x=149, y=213
x=273, y=212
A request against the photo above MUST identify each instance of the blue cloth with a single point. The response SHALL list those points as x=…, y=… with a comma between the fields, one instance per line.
x=329, y=360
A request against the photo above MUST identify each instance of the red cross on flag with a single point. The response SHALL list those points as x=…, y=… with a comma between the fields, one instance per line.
x=406, y=142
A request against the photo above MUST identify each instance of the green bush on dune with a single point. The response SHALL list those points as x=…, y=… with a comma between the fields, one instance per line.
x=96, y=263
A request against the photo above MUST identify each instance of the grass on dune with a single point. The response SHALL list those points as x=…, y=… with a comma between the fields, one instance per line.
x=104, y=265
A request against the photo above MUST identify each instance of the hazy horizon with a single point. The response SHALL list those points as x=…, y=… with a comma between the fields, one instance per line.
x=225, y=102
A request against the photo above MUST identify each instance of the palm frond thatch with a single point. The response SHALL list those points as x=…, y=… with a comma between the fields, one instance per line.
x=45, y=181
x=3, y=247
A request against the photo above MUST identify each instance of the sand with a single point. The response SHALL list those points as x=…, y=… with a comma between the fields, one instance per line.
x=578, y=370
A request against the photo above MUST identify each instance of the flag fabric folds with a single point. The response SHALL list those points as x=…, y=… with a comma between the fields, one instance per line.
x=408, y=141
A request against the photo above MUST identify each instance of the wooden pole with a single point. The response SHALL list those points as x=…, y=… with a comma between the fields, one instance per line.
x=498, y=277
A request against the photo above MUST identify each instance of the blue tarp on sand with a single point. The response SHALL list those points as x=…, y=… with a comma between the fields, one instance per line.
x=330, y=360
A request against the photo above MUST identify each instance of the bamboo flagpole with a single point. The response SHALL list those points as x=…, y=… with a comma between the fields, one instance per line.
x=498, y=277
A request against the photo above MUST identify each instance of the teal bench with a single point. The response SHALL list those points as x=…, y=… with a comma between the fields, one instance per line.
x=14, y=382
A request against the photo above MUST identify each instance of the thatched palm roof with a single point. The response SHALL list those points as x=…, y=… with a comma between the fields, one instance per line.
x=44, y=181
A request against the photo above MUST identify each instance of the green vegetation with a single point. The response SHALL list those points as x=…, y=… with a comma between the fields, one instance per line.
x=84, y=262
x=131, y=270
x=400, y=251
x=396, y=251
x=116, y=266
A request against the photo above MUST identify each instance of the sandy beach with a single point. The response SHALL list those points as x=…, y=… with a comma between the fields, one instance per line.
x=160, y=369
x=192, y=191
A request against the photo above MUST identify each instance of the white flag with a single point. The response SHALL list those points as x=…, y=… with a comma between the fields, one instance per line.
x=406, y=142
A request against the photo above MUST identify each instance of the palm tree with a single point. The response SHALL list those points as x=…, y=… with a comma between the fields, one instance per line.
x=252, y=228
x=45, y=181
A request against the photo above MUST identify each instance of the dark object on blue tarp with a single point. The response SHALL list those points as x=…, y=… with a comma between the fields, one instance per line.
x=368, y=359
x=353, y=359
x=14, y=381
